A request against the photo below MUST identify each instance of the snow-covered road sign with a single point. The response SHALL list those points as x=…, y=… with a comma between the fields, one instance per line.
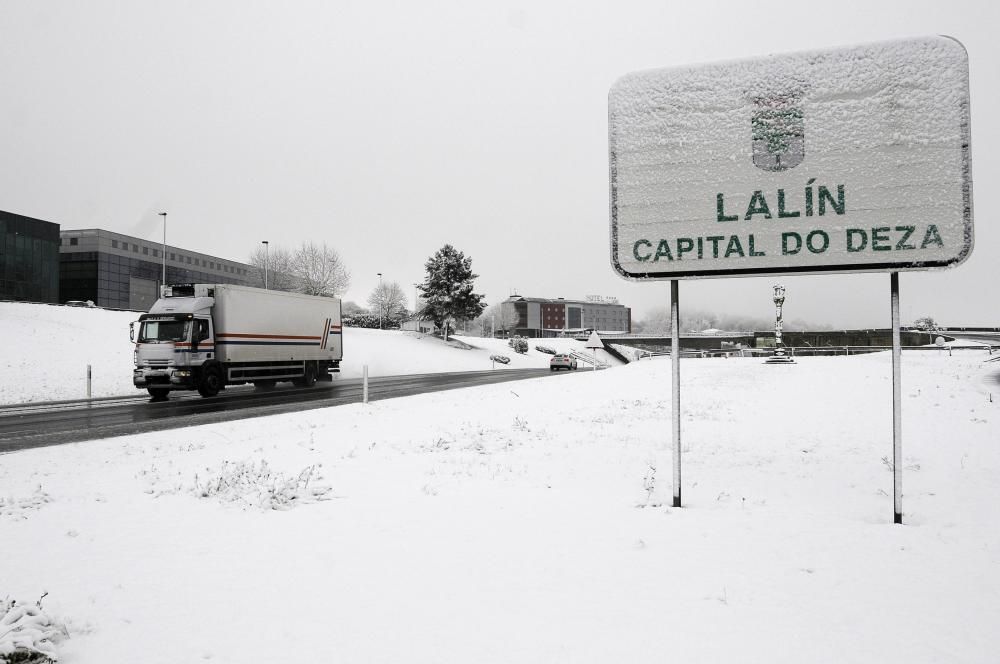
x=846, y=160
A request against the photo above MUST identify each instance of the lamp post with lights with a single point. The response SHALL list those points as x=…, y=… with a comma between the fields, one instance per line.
x=163, y=278
x=265, y=243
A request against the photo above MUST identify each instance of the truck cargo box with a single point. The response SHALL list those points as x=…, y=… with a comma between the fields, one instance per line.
x=254, y=325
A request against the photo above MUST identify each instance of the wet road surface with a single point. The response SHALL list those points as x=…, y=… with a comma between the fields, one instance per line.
x=25, y=426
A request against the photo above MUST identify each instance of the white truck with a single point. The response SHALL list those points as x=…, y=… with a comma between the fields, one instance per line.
x=207, y=336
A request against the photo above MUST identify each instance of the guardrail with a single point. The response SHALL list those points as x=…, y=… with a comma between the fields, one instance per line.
x=589, y=359
x=802, y=351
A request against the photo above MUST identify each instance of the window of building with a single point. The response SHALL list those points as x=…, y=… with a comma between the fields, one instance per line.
x=156, y=253
x=187, y=259
x=114, y=244
x=74, y=241
x=135, y=248
x=145, y=251
x=172, y=257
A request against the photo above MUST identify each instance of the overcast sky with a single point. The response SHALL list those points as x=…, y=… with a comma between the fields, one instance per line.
x=389, y=129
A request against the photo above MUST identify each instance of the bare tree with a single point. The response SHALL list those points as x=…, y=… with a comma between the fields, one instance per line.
x=320, y=270
x=280, y=268
x=484, y=323
x=657, y=321
x=350, y=308
x=389, y=300
x=500, y=317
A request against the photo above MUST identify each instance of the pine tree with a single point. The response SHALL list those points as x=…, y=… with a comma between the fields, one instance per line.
x=447, y=289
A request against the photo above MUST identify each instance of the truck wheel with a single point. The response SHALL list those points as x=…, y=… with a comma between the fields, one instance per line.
x=158, y=393
x=309, y=377
x=211, y=382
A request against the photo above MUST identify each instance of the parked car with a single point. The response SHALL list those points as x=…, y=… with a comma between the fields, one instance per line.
x=502, y=359
x=545, y=349
x=562, y=361
x=79, y=303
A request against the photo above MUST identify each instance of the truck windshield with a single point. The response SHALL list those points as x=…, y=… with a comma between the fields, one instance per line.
x=159, y=331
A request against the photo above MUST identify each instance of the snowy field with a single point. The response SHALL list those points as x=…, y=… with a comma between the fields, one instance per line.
x=523, y=522
x=45, y=350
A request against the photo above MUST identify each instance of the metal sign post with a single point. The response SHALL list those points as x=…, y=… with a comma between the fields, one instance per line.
x=675, y=361
x=897, y=402
x=594, y=342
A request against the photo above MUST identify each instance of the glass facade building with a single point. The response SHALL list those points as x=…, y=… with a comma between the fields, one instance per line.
x=123, y=272
x=29, y=259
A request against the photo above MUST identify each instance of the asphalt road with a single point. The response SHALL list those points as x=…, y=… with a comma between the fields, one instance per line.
x=25, y=426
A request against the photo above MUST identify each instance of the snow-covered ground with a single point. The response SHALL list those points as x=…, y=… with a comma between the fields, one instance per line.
x=45, y=350
x=522, y=522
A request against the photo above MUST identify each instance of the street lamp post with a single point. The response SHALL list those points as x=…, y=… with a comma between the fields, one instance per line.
x=265, y=243
x=416, y=299
x=163, y=279
x=380, y=296
x=779, y=357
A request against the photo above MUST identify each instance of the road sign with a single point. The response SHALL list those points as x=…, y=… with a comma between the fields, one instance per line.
x=846, y=160
x=594, y=341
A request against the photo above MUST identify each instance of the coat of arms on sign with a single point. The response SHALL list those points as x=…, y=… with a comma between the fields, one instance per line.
x=778, y=130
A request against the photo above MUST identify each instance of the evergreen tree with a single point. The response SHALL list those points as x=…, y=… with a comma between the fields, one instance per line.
x=447, y=290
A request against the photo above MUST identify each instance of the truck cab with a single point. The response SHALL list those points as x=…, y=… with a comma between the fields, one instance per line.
x=175, y=346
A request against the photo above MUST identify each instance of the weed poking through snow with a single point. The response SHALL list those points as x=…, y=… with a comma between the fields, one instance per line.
x=256, y=485
x=27, y=634
x=18, y=507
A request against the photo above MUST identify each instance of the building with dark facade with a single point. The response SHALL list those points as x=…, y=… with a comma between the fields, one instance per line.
x=124, y=272
x=29, y=259
x=542, y=317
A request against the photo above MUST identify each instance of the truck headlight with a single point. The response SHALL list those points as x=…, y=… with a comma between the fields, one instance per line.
x=182, y=373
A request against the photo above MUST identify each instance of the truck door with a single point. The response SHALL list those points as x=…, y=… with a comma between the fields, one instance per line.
x=203, y=342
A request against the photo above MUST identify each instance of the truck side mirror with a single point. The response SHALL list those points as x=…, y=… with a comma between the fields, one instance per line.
x=131, y=331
